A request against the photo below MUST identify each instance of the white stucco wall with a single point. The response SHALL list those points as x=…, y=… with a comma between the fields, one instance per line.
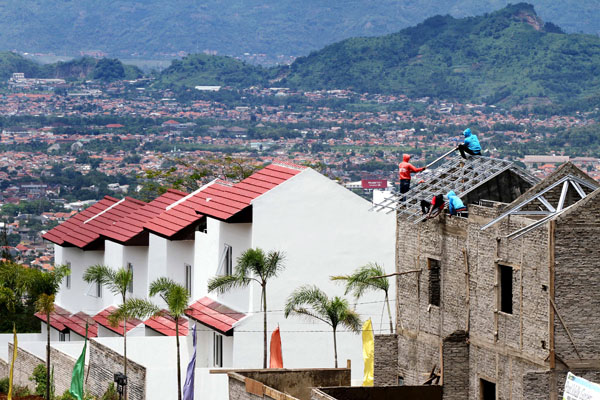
x=208, y=253
x=161, y=367
x=324, y=230
x=75, y=298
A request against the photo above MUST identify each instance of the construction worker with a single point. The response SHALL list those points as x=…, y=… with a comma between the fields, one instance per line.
x=471, y=144
x=433, y=208
x=455, y=205
x=405, y=169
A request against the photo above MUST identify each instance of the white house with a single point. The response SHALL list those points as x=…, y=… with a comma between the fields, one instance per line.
x=323, y=229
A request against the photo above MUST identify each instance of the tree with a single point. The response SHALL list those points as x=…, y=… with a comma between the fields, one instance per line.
x=252, y=265
x=368, y=277
x=177, y=298
x=174, y=295
x=311, y=302
x=117, y=282
x=47, y=285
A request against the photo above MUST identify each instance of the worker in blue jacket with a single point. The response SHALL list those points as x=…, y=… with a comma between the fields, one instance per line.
x=455, y=204
x=470, y=146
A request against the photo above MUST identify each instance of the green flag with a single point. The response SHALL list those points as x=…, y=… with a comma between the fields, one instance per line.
x=78, y=371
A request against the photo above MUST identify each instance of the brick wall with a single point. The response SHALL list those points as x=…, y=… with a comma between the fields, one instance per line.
x=502, y=345
x=24, y=366
x=104, y=362
x=63, y=370
x=386, y=360
x=537, y=384
x=4, y=369
x=577, y=278
x=456, y=366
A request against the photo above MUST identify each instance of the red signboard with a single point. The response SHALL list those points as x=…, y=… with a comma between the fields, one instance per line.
x=374, y=183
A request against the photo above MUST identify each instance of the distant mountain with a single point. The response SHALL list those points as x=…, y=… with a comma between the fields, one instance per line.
x=80, y=68
x=509, y=55
x=149, y=28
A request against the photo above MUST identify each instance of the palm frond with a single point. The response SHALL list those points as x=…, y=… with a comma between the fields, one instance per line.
x=100, y=274
x=274, y=264
x=177, y=300
x=161, y=286
x=307, y=295
x=45, y=303
x=365, y=278
x=310, y=301
x=251, y=261
x=134, y=308
x=222, y=284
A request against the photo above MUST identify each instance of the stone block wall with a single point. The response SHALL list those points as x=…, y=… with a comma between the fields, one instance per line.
x=456, y=366
x=577, y=278
x=537, y=384
x=63, y=370
x=386, y=360
x=104, y=362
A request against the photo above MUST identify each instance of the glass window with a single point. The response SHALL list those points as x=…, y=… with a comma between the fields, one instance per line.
x=217, y=350
x=188, y=277
x=130, y=269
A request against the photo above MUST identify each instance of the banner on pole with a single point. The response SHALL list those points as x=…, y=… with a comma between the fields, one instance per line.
x=577, y=388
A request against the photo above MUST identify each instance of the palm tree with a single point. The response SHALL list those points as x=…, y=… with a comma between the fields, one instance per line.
x=252, y=265
x=46, y=285
x=117, y=282
x=368, y=277
x=177, y=298
x=311, y=302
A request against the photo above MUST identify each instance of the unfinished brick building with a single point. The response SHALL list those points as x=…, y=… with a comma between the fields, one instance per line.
x=503, y=303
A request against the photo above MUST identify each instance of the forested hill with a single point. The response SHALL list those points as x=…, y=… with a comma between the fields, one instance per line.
x=81, y=68
x=155, y=28
x=507, y=55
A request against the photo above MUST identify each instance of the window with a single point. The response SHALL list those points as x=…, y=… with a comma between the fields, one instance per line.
x=188, y=278
x=68, y=278
x=228, y=260
x=434, y=281
x=217, y=350
x=487, y=390
x=64, y=336
x=98, y=290
x=400, y=380
x=130, y=270
x=506, y=288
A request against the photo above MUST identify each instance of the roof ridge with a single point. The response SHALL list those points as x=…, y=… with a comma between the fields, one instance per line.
x=288, y=164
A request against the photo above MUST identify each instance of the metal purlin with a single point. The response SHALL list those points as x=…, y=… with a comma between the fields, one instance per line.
x=457, y=174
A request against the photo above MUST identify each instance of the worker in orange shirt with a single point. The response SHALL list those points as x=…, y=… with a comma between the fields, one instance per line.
x=405, y=169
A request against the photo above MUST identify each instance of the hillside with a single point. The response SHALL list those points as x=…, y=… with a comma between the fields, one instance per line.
x=155, y=28
x=201, y=69
x=509, y=55
x=80, y=68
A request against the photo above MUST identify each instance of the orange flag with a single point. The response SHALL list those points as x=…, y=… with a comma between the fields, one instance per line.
x=276, y=357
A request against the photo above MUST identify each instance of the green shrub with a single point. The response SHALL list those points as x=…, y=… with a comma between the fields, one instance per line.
x=4, y=386
x=111, y=393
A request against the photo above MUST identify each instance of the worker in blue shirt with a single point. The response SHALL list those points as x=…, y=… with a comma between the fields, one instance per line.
x=455, y=204
x=470, y=146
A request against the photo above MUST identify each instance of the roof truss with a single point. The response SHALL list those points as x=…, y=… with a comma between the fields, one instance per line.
x=460, y=175
x=551, y=211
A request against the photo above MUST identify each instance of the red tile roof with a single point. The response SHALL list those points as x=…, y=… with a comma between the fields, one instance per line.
x=221, y=200
x=102, y=319
x=165, y=325
x=132, y=225
x=58, y=318
x=214, y=314
x=77, y=322
x=92, y=228
x=61, y=319
x=57, y=234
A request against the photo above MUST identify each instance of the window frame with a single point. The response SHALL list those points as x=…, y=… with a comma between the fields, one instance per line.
x=68, y=277
x=505, y=271
x=188, y=277
x=217, y=350
x=433, y=264
x=130, y=286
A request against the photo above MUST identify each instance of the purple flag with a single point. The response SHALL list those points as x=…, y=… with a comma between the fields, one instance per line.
x=188, y=387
